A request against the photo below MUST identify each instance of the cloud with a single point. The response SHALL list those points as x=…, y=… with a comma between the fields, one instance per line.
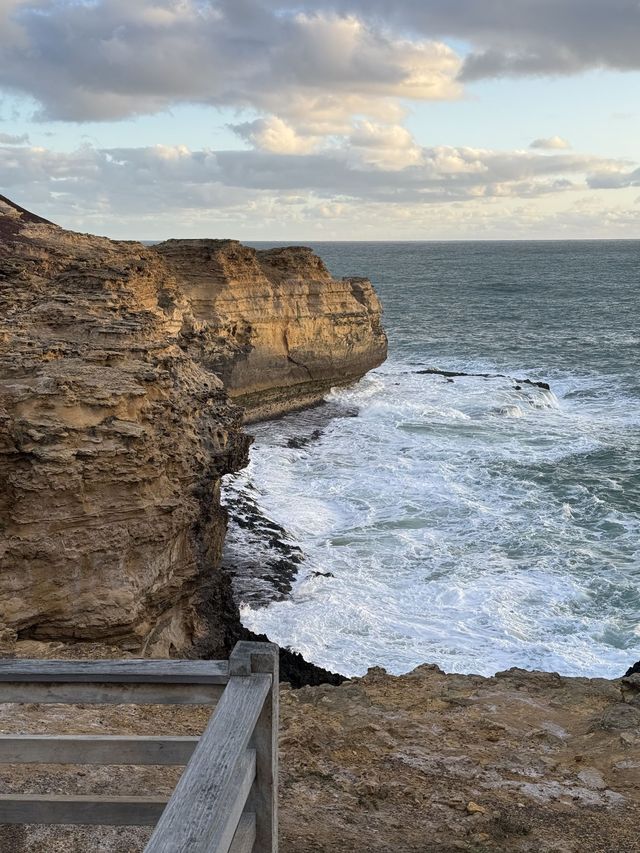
x=517, y=37
x=275, y=135
x=172, y=179
x=384, y=146
x=614, y=179
x=460, y=193
x=12, y=139
x=308, y=68
x=552, y=143
x=114, y=58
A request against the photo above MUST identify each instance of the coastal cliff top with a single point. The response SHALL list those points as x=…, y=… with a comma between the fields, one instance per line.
x=523, y=762
x=13, y=217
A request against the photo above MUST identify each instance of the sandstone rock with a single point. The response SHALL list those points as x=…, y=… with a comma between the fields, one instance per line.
x=116, y=428
x=112, y=442
x=274, y=325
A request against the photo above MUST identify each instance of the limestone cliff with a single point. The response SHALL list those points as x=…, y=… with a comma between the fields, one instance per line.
x=276, y=327
x=115, y=426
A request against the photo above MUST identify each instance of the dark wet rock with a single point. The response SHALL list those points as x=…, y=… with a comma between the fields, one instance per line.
x=544, y=385
x=264, y=567
x=303, y=440
x=449, y=375
x=633, y=669
x=261, y=556
x=322, y=575
x=218, y=644
x=294, y=669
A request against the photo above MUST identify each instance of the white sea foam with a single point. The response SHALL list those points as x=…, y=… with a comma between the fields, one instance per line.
x=478, y=523
x=433, y=531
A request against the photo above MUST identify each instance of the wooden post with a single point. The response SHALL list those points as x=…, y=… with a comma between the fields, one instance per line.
x=248, y=658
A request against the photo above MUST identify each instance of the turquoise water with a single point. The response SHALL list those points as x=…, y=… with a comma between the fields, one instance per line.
x=478, y=523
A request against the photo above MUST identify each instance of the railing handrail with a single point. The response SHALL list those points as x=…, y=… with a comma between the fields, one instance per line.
x=205, y=808
x=135, y=671
x=226, y=799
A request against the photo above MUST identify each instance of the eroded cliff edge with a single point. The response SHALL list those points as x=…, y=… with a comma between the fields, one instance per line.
x=274, y=325
x=427, y=762
x=116, y=427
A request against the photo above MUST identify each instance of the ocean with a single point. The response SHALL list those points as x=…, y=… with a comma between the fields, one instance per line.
x=478, y=522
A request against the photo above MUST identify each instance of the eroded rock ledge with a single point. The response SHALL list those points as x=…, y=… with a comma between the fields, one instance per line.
x=116, y=427
x=274, y=325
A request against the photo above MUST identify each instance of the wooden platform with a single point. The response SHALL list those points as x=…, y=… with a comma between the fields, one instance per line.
x=226, y=798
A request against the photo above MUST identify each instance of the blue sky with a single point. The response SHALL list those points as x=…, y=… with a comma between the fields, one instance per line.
x=324, y=120
x=598, y=111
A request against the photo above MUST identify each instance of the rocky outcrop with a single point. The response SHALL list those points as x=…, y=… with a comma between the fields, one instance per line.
x=428, y=761
x=112, y=442
x=115, y=426
x=274, y=325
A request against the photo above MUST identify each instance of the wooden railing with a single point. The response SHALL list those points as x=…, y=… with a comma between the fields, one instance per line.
x=226, y=798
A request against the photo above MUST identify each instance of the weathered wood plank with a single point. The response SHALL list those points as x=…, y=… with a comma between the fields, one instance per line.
x=111, y=694
x=245, y=836
x=203, y=813
x=90, y=810
x=214, y=831
x=248, y=657
x=120, y=671
x=95, y=749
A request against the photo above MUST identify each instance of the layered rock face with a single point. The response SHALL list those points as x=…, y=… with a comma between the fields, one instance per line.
x=115, y=426
x=276, y=327
x=112, y=442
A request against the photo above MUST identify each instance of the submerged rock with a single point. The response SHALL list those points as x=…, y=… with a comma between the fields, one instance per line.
x=449, y=375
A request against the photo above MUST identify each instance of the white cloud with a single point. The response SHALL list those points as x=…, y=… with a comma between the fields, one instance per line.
x=456, y=193
x=114, y=58
x=14, y=139
x=551, y=143
x=321, y=89
x=275, y=135
x=384, y=146
x=517, y=37
x=128, y=181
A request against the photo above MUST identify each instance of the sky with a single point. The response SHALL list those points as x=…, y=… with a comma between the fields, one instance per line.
x=333, y=120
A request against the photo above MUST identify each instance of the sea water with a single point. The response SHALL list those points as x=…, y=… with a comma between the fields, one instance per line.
x=475, y=522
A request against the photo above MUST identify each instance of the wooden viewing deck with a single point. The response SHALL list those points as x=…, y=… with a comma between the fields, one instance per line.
x=226, y=798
